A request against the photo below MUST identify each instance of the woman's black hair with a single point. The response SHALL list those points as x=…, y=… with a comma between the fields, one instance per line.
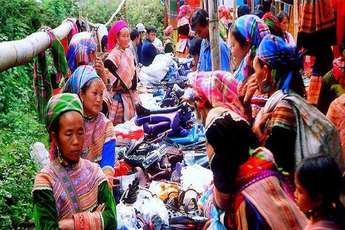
x=200, y=17
x=281, y=15
x=266, y=6
x=134, y=34
x=321, y=177
x=243, y=10
x=238, y=36
x=195, y=46
x=231, y=140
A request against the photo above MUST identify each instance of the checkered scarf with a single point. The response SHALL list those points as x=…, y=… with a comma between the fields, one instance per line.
x=59, y=104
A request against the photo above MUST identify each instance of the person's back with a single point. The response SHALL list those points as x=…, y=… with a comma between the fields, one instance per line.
x=205, y=58
x=247, y=184
x=148, y=53
x=133, y=45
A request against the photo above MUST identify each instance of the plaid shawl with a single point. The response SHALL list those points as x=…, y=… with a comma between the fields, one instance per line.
x=82, y=45
x=317, y=15
x=315, y=134
x=79, y=78
x=42, y=79
x=253, y=29
x=61, y=103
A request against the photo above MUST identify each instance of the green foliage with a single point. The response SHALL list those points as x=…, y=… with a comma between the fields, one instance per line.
x=19, y=129
x=17, y=18
x=53, y=12
x=19, y=125
x=148, y=12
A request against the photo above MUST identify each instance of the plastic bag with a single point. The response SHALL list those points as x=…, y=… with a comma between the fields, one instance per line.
x=196, y=177
x=39, y=154
x=156, y=72
x=126, y=217
x=150, y=207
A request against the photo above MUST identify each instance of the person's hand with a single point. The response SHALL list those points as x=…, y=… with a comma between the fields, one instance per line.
x=259, y=125
x=66, y=224
x=250, y=89
x=100, y=208
x=99, y=67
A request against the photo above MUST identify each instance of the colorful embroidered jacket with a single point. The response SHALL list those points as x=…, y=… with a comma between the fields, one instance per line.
x=61, y=192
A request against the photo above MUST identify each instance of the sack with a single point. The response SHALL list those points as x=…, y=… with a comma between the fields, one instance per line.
x=315, y=134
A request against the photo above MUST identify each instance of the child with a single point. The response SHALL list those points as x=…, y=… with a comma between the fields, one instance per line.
x=318, y=186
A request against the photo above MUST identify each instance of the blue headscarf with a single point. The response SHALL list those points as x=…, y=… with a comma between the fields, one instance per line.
x=79, y=78
x=281, y=57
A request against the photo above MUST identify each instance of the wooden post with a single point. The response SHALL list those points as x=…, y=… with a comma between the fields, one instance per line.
x=234, y=5
x=295, y=18
x=214, y=34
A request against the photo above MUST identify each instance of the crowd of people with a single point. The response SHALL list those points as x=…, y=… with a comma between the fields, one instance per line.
x=275, y=137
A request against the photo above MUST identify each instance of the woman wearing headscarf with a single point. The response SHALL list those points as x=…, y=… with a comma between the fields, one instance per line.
x=81, y=51
x=288, y=126
x=244, y=38
x=184, y=31
x=214, y=89
x=99, y=144
x=247, y=192
x=224, y=21
x=273, y=23
x=123, y=83
x=70, y=192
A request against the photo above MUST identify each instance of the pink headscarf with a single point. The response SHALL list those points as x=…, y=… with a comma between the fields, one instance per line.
x=184, y=10
x=113, y=32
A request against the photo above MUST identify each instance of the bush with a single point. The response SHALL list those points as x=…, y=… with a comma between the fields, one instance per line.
x=19, y=129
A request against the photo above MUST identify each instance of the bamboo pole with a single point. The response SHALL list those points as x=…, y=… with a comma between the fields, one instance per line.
x=295, y=18
x=14, y=53
x=115, y=13
x=234, y=5
x=214, y=34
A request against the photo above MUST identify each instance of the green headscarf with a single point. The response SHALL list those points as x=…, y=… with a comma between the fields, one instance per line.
x=61, y=103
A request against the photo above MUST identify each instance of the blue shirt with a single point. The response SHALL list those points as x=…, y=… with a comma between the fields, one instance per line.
x=148, y=53
x=205, y=63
